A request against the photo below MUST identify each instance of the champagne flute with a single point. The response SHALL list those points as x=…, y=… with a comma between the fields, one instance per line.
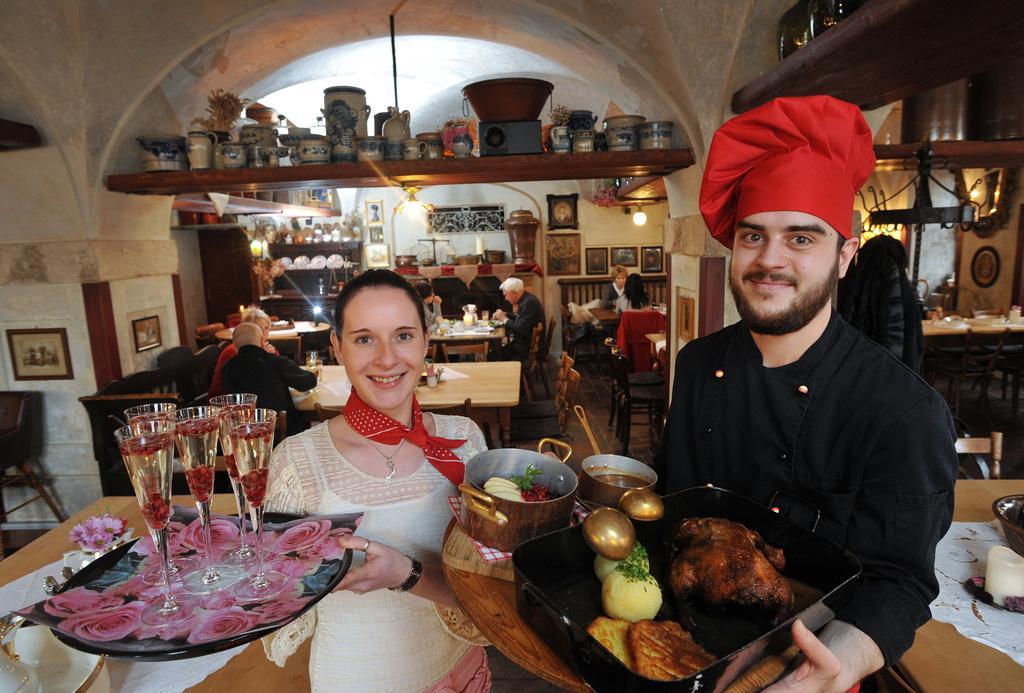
x=153, y=410
x=160, y=411
x=225, y=404
x=252, y=435
x=146, y=450
x=196, y=434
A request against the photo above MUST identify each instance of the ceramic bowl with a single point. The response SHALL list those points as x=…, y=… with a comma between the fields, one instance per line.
x=314, y=149
x=1009, y=510
x=511, y=98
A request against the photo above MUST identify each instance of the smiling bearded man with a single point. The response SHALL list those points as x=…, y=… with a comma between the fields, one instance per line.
x=795, y=408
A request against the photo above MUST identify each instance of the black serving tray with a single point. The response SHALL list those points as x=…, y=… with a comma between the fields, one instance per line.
x=156, y=650
x=558, y=595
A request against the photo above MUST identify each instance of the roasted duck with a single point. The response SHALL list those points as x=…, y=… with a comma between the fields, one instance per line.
x=722, y=563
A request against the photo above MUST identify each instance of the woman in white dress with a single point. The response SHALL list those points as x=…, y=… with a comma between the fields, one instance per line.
x=380, y=629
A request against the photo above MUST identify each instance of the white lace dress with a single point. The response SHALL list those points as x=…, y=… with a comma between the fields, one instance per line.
x=383, y=640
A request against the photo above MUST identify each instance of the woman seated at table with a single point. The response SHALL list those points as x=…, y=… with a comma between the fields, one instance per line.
x=634, y=297
x=431, y=303
x=380, y=629
x=614, y=289
x=254, y=315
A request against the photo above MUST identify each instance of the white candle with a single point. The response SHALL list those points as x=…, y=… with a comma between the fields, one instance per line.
x=1004, y=574
x=479, y=245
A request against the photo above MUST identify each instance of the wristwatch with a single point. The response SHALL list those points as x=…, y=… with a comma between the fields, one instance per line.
x=414, y=577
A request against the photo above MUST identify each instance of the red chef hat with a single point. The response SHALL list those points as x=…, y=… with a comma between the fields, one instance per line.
x=804, y=154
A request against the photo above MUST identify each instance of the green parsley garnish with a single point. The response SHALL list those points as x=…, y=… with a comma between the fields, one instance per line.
x=634, y=566
x=525, y=482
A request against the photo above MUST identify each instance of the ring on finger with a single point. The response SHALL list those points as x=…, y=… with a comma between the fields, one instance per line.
x=366, y=546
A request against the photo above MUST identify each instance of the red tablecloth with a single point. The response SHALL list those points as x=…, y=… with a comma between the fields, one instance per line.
x=634, y=326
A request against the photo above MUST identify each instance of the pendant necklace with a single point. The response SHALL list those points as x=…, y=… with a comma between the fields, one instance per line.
x=389, y=460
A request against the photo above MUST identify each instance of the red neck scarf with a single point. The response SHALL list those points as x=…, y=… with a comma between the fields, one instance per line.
x=381, y=428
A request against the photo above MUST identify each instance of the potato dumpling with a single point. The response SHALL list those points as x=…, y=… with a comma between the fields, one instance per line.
x=604, y=566
x=630, y=597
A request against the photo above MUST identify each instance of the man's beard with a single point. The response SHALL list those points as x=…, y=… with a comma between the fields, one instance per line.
x=793, y=317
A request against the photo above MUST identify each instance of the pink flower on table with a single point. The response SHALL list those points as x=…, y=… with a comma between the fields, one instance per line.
x=146, y=547
x=104, y=626
x=302, y=536
x=216, y=625
x=278, y=609
x=292, y=567
x=80, y=601
x=178, y=630
x=326, y=549
x=223, y=535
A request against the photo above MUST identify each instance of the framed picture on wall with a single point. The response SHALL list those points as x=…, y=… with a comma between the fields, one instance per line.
x=985, y=266
x=597, y=261
x=375, y=212
x=652, y=259
x=146, y=333
x=684, y=317
x=624, y=256
x=40, y=354
x=376, y=234
x=562, y=212
x=563, y=254
x=378, y=255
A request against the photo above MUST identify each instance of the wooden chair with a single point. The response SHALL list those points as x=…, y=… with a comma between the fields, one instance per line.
x=20, y=440
x=972, y=449
x=1010, y=367
x=547, y=407
x=205, y=333
x=555, y=425
x=976, y=362
x=289, y=346
x=472, y=349
x=326, y=413
x=649, y=399
x=530, y=367
x=465, y=409
x=544, y=355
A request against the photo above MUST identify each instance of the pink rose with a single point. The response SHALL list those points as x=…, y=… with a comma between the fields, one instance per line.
x=223, y=534
x=219, y=600
x=80, y=601
x=302, y=536
x=291, y=567
x=177, y=630
x=327, y=549
x=278, y=609
x=104, y=626
x=216, y=625
x=146, y=547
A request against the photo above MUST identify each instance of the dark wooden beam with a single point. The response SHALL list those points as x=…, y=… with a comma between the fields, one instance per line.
x=952, y=155
x=18, y=135
x=179, y=309
x=493, y=169
x=199, y=202
x=99, y=319
x=644, y=189
x=711, y=295
x=890, y=49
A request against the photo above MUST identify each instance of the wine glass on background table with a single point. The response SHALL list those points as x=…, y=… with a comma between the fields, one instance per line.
x=146, y=448
x=226, y=404
x=196, y=432
x=252, y=436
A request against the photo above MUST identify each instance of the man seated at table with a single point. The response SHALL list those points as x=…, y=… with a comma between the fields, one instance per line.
x=266, y=375
x=527, y=312
x=796, y=409
x=249, y=315
x=431, y=303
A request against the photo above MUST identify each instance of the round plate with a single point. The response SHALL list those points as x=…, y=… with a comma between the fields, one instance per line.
x=286, y=262
x=59, y=667
x=318, y=262
x=334, y=261
x=301, y=262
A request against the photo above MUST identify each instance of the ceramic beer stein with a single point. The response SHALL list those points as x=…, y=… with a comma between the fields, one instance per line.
x=560, y=139
x=370, y=148
x=622, y=132
x=231, y=155
x=411, y=149
x=655, y=134
x=582, y=141
x=200, y=149
x=431, y=145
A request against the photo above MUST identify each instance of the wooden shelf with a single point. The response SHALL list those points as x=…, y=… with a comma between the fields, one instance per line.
x=952, y=155
x=891, y=49
x=199, y=202
x=493, y=169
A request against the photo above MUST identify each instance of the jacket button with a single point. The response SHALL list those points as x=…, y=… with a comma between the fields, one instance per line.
x=803, y=389
x=708, y=429
x=719, y=373
x=783, y=456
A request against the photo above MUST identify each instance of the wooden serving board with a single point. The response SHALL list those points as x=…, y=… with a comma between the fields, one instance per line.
x=460, y=553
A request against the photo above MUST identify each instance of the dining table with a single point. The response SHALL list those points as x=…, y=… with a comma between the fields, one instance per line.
x=296, y=329
x=940, y=660
x=947, y=326
x=451, y=338
x=492, y=388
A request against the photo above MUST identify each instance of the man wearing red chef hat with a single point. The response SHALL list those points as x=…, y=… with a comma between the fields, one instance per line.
x=795, y=408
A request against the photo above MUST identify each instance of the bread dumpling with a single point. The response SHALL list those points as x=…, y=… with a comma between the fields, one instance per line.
x=631, y=597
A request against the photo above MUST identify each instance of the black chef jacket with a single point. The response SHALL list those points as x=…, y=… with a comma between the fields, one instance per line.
x=847, y=430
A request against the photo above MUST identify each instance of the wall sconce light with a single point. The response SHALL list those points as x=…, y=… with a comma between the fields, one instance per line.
x=256, y=248
x=640, y=217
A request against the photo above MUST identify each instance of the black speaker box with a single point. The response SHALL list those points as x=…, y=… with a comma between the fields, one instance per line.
x=511, y=137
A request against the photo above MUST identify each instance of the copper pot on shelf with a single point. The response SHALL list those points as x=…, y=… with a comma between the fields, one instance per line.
x=505, y=524
x=494, y=257
x=467, y=260
x=522, y=232
x=405, y=260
